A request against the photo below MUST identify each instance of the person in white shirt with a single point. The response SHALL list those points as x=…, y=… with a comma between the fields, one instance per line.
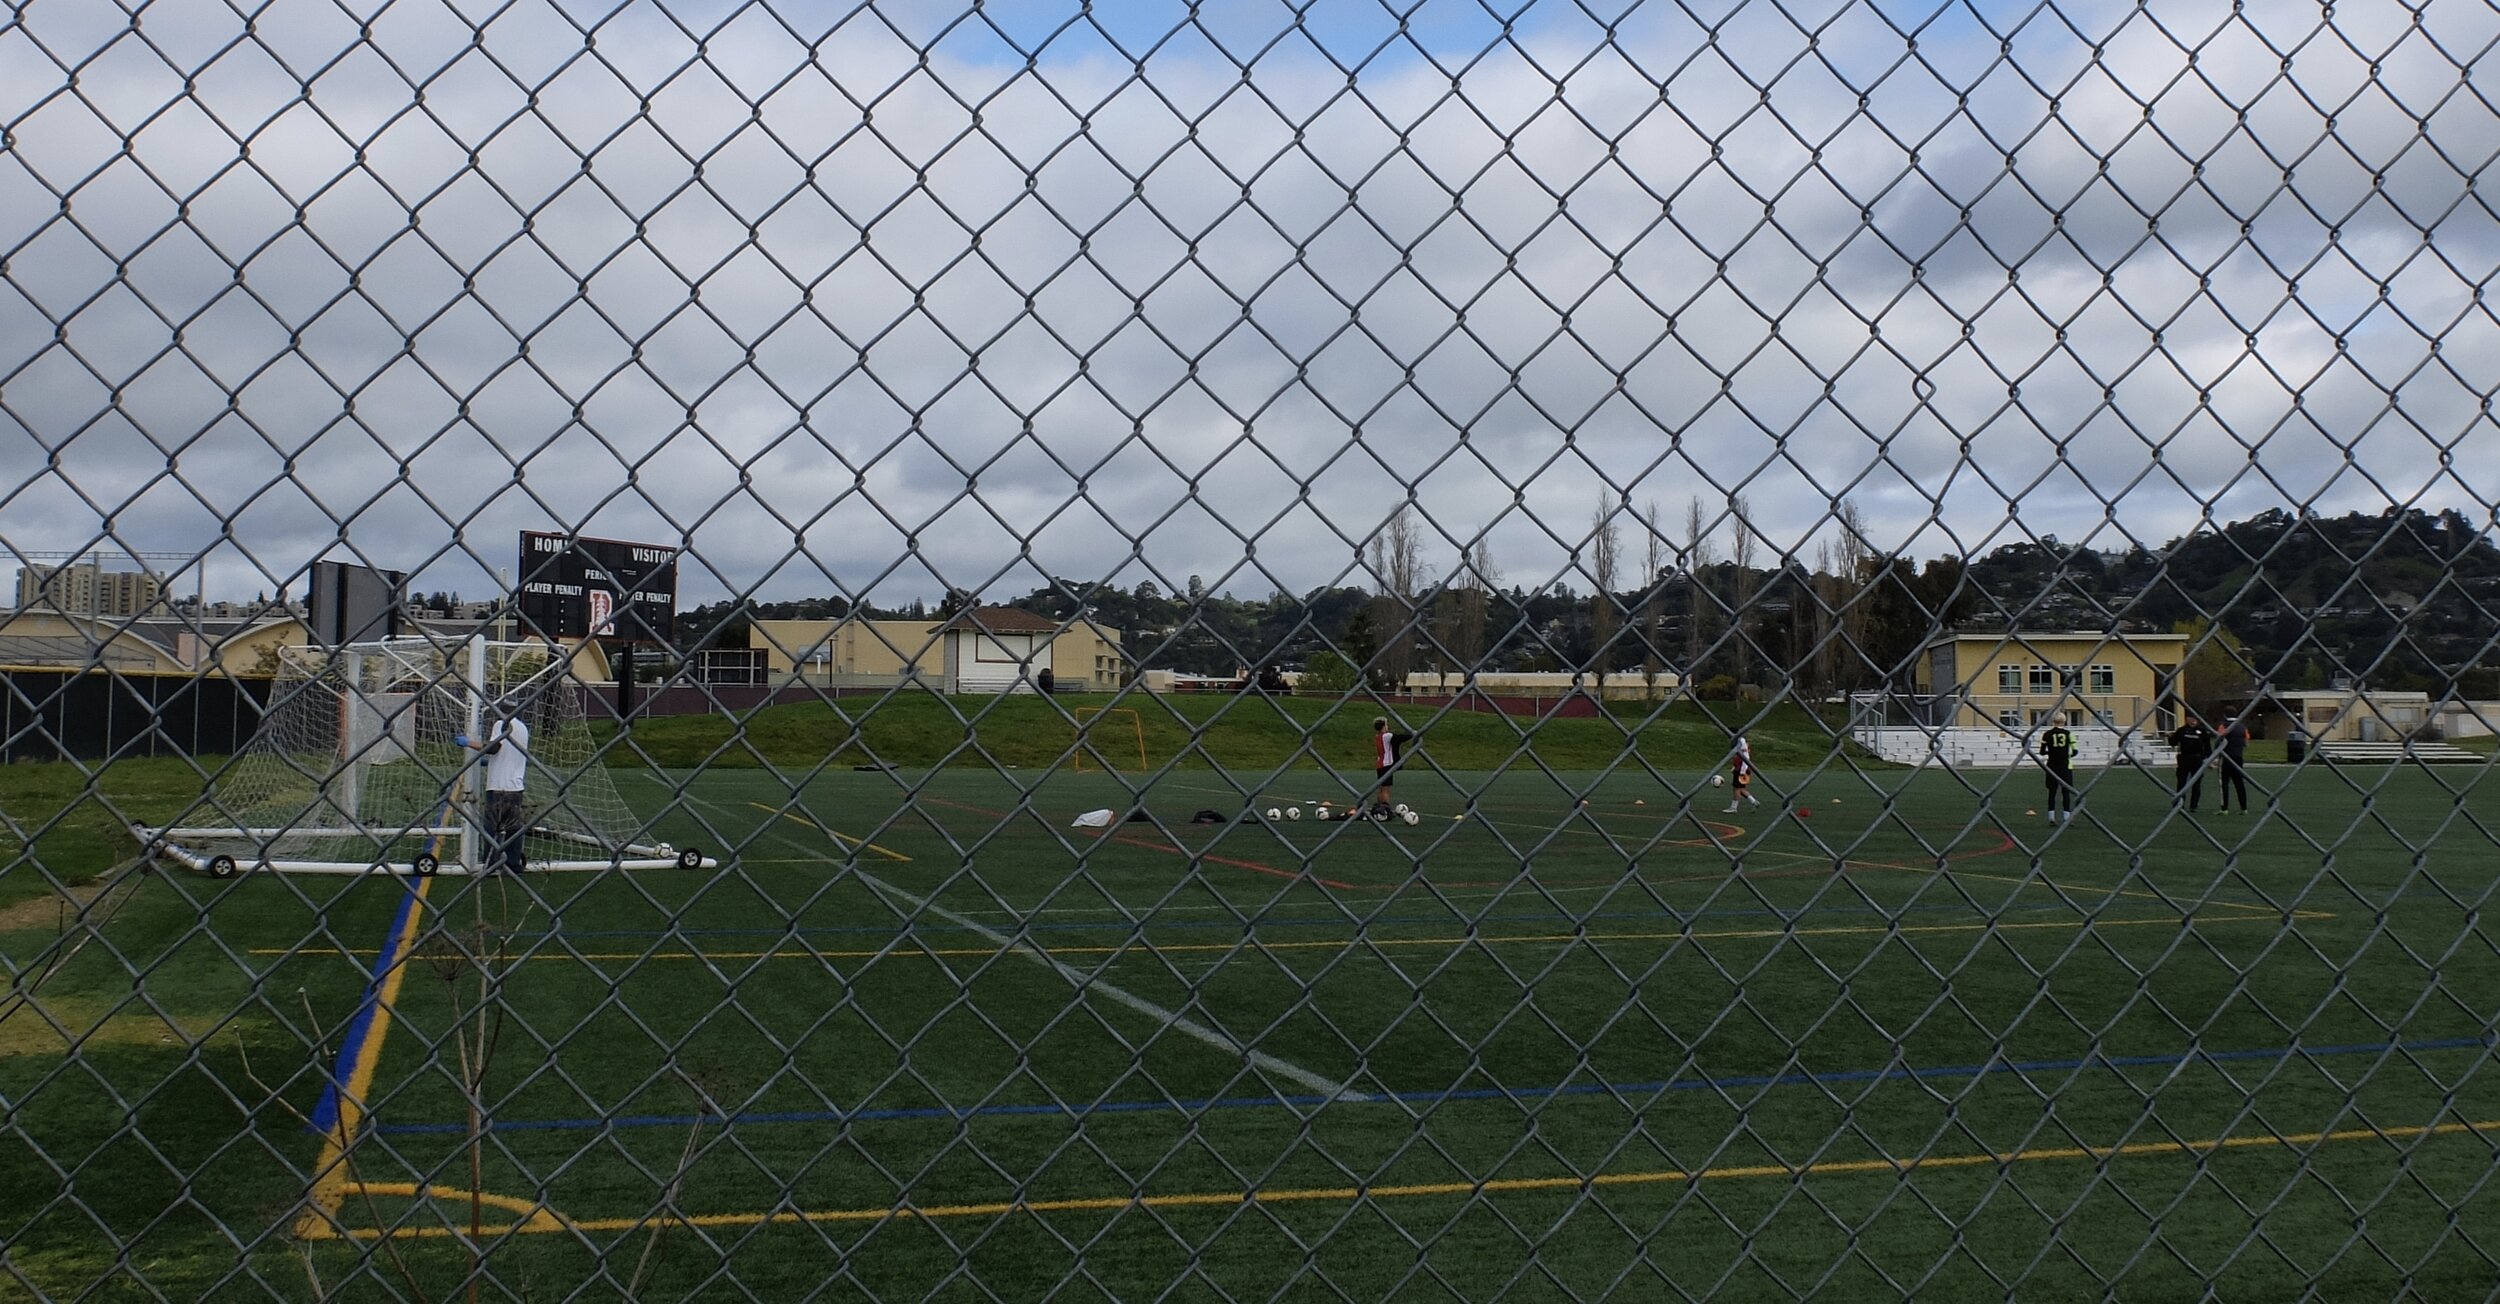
x=506, y=747
x=1740, y=769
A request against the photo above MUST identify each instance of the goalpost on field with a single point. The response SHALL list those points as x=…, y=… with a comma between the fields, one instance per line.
x=356, y=768
x=1104, y=735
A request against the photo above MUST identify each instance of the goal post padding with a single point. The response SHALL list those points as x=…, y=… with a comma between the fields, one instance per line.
x=357, y=765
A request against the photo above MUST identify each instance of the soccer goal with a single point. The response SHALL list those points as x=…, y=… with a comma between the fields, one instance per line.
x=1104, y=737
x=356, y=767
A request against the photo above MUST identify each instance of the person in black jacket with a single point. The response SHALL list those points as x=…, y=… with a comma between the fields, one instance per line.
x=2235, y=764
x=2195, y=743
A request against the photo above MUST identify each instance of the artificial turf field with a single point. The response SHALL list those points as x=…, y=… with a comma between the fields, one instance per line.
x=922, y=1040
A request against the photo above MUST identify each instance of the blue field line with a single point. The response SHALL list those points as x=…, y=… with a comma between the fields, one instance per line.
x=1432, y=1098
x=325, y=1114
x=1444, y=921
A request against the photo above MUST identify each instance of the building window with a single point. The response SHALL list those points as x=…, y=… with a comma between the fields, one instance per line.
x=2044, y=679
x=2011, y=718
x=2104, y=680
x=2009, y=679
x=2321, y=713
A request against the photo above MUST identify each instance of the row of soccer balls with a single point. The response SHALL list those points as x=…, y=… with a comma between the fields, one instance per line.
x=1327, y=812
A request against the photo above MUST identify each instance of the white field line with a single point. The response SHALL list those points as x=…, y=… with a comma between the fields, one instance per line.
x=1087, y=984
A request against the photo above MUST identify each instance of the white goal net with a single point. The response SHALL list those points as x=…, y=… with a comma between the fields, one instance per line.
x=358, y=765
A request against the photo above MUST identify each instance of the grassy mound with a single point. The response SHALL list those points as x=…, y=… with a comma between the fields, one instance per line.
x=921, y=730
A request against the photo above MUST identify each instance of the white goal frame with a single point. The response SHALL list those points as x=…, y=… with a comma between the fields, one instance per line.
x=356, y=769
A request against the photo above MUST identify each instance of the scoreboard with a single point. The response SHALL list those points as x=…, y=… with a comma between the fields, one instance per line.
x=570, y=587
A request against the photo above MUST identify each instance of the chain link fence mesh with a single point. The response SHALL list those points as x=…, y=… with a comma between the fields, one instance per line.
x=1724, y=454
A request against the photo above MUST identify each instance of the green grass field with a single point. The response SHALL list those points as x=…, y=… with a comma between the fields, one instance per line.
x=922, y=1039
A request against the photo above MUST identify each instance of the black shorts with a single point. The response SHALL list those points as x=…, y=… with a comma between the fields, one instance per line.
x=506, y=812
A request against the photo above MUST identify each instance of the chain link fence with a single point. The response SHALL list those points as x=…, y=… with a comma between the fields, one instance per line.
x=1327, y=651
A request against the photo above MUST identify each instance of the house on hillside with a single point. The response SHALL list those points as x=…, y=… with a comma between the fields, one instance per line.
x=981, y=650
x=2015, y=679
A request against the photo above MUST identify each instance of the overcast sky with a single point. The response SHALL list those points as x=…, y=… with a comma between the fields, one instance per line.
x=882, y=299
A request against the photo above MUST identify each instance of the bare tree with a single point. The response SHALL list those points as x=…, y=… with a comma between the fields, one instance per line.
x=1653, y=584
x=1396, y=562
x=1605, y=616
x=1464, y=604
x=1701, y=622
x=1824, y=590
x=1853, y=570
x=1741, y=554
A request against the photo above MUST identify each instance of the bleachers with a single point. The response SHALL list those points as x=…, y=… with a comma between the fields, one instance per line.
x=1976, y=748
x=2422, y=752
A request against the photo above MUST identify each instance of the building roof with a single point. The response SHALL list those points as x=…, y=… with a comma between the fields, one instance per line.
x=65, y=653
x=2041, y=635
x=1002, y=620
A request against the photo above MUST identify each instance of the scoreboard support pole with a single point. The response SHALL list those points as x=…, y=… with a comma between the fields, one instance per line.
x=625, y=685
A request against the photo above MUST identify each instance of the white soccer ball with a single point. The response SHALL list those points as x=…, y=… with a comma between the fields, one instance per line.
x=1715, y=781
x=1325, y=813
x=1402, y=808
x=1293, y=812
x=1272, y=812
x=1410, y=817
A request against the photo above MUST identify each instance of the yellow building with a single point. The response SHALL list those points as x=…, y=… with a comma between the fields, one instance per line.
x=983, y=650
x=244, y=647
x=2014, y=680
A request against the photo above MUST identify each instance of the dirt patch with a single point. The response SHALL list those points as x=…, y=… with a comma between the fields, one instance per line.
x=84, y=1023
x=46, y=912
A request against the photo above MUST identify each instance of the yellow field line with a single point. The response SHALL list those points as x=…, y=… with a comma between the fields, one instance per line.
x=534, y=1217
x=2018, y=880
x=838, y=837
x=1335, y=944
x=2144, y=894
x=543, y=1221
x=330, y=1179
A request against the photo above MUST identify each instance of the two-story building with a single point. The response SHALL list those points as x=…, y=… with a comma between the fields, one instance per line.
x=2013, y=680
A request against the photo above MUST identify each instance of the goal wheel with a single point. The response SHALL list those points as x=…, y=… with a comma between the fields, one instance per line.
x=425, y=865
x=690, y=859
x=221, y=867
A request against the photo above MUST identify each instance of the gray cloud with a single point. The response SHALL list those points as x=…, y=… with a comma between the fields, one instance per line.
x=823, y=306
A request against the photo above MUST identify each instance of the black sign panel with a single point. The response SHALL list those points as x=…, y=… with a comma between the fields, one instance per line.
x=354, y=604
x=570, y=587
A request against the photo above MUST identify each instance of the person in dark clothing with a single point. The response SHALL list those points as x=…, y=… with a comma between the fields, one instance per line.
x=2195, y=743
x=2235, y=764
x=2057, y=760
x=1388, y=748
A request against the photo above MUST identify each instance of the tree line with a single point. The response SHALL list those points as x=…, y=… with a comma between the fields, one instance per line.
x=2401, y=599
